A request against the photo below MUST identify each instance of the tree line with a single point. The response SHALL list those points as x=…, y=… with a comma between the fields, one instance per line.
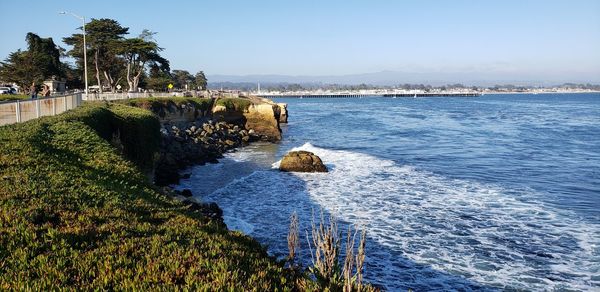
x=113, y=58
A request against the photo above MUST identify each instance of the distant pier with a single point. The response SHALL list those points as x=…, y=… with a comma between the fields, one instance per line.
x=472, y=94
x=352, y=95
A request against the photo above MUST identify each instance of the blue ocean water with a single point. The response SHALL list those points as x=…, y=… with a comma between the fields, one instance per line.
x=478, y=193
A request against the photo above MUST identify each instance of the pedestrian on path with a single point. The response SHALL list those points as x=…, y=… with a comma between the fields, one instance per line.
x=33, y=91
x=46, y=90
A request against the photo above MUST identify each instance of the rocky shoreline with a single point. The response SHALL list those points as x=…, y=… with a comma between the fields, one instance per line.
x=191, y=136
x=197, y=144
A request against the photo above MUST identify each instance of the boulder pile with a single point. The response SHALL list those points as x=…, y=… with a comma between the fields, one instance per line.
x=219, y=136
x=197, y=144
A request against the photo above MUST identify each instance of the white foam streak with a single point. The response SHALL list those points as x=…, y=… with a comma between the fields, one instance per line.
x=238, y=224
x=427, y=231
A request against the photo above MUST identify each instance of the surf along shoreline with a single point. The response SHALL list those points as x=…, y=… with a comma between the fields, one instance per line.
x=199, y=131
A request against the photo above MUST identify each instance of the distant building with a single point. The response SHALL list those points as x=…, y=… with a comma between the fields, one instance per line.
x=55, y=84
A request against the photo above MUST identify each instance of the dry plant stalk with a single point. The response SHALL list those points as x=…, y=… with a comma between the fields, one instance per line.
x=327, y=242
x=360, y=259
x=325, y=258
x=293, y=237
x=349, y=260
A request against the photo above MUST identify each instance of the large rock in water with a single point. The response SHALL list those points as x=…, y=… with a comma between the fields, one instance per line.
x=261, y=115
x=302, y=161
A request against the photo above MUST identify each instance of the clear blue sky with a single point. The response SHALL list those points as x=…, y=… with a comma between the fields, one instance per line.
x=548, y=39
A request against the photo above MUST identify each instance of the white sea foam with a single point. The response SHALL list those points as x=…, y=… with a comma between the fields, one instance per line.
x=238, y=224
x=425, y=231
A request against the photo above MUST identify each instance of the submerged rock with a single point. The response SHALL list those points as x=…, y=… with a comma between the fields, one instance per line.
x=302, y=161
x=186, y=193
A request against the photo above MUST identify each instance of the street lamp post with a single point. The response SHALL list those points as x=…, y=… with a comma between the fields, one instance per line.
x=85, y=76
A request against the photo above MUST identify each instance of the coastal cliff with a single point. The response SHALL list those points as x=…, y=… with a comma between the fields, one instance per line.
x=254, y=113
x=260, y=114
x=197, y=131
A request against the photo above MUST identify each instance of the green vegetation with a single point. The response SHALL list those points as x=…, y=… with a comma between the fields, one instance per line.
x=234, y=104
x=329, y=272
x=162, y=105
x=184, y=79
x=7, y=97
x=39, y=62
x=115, y=58
x=156, y=102
x=200, y=80
x=75, y=213
x=103, y=38
x=131, y=62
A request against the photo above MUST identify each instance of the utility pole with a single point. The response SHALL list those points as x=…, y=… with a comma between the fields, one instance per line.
x=85, y=76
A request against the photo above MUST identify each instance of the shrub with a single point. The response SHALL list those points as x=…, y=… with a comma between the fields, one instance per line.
x=326, y=273
x=10, y=97
x=138, y=131
x=234, y=104
x=163, y=105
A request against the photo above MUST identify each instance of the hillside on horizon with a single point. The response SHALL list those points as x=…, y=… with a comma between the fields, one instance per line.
x=390, y=78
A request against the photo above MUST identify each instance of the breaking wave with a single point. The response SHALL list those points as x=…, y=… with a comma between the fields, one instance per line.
x=425, y=231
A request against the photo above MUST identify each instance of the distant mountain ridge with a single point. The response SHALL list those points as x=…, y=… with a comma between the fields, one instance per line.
x=388, y=78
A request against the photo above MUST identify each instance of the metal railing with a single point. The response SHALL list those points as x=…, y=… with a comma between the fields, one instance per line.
x=128, y=95
x=115, y=96
x=24, y=110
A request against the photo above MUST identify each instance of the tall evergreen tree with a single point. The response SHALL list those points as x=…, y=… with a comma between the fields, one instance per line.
x=201, y=81
x=158, y=78
x=39, y=62
x=103, y=38
x=183, y=78
x=139, y=53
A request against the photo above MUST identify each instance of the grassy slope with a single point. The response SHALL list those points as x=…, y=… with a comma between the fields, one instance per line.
x=75, y=213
